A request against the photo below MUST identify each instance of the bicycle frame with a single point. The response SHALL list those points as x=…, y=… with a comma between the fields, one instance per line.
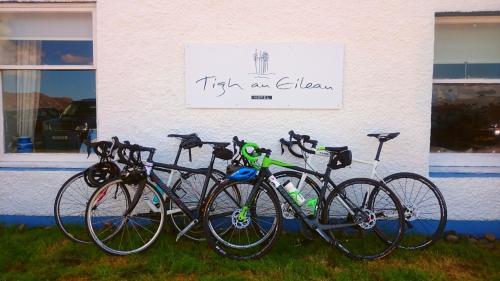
x=319, y=151
x=167, y=188
x=313, y=223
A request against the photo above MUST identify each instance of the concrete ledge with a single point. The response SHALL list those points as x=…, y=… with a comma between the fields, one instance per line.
x=38, y=169
x=464, y=172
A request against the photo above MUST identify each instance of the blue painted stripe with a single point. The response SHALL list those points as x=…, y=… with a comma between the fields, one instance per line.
x=39, y=169
x=27, y=220
x=463, y=175
x=474, y=227
x=460, y=226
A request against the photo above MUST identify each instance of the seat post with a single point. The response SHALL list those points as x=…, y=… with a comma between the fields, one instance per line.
x=381, y=143
x=178, y=154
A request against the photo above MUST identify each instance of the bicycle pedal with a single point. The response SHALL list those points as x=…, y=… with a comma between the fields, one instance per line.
x=186, y=229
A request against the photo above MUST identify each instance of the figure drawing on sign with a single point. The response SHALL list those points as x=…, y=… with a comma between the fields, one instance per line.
x=261, y=61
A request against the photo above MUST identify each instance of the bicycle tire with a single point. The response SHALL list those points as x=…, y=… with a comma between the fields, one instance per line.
x=103, y=244
x=261, y=248
x=406, y=242
x=347, y=240
x=64, y=227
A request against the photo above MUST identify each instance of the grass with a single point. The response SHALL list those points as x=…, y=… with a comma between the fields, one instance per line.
x=44, y=254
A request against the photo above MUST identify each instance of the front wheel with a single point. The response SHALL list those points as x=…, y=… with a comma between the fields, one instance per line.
x=116, y=230
x=370, y=227
x=424, y=208
x=238, y=231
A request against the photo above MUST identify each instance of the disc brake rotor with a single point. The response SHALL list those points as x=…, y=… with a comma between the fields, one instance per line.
x=287, y=211
x=237, y=222
x=411, y=212
x=369, y=221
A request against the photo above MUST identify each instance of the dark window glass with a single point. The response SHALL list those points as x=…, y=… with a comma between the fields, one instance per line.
x=464, y=71
x=46, y=52
x=48, y=110
x=465, y=118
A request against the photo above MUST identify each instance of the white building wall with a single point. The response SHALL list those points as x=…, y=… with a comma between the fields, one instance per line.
x=387, y=85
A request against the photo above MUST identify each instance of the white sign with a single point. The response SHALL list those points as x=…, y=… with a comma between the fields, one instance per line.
x=264, y=75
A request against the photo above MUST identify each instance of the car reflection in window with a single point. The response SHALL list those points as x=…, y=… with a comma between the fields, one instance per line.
x=71, y=128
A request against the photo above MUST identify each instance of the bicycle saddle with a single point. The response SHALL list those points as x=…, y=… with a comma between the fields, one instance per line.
x=384, y=136
x=182, y=136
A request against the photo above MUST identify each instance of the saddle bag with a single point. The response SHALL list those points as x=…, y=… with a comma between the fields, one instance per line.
x=340, y=160
x=223, y=153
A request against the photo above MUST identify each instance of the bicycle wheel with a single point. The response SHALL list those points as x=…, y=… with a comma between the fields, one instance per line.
x=189, y=187
x=117, y=232
x=368, y=218
x=424, y=207
x=238, y=233
x=69, y=208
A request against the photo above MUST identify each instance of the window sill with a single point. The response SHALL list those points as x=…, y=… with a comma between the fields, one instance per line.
x=463, y=172
x=39, y=169
x=472, y=160
x=45, y=161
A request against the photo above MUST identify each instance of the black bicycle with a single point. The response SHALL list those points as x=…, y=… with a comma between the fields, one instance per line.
x=133, y=208
x=361, y=217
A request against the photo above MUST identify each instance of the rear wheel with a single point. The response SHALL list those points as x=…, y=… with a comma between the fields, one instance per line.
x=69, y=208
x=373, y=224
x=424, y=208
x=240, y=232
x=71, y=199
x=120, y=233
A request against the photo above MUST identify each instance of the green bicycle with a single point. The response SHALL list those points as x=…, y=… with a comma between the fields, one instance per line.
x=361, y=217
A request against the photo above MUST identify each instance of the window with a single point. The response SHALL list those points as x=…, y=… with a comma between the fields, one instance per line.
x=465, y=128
x=47, y=80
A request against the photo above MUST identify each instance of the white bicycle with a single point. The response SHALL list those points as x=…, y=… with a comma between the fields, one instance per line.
x=423, y=203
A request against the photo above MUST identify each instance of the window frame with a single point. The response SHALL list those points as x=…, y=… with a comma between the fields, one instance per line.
x=57, y=159
x=456, y=160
